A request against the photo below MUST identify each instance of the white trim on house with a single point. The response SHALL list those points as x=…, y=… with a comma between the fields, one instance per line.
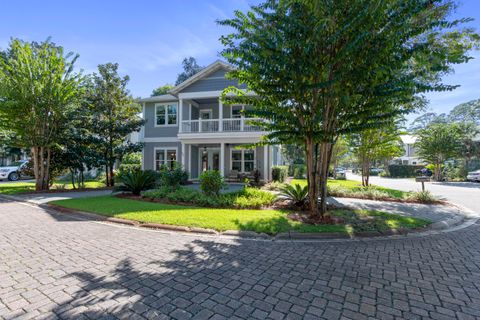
x=166, y=104
x=165, y=139
x=165, y=149
x=243, y=158
x=206, y=138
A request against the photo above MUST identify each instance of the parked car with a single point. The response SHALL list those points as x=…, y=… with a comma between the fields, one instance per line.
x=340, y=173
x=12, y=172
x=375, y=171
x=474, y=176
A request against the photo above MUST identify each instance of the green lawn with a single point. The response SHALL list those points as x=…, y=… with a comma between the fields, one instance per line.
x=24, y=187
x=267, y=221
x=350, y=186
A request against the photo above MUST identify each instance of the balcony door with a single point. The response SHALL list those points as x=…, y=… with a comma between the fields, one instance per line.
x=205, y=118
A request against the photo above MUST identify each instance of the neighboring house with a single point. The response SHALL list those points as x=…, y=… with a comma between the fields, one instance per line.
x=192, y=126
x=409, y=157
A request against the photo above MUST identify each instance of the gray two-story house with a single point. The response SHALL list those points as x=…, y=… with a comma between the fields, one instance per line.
x=192, y=126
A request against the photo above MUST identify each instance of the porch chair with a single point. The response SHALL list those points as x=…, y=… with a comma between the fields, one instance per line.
x=233, y=175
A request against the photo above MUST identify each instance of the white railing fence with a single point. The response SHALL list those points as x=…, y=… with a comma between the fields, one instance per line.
x=218, y=125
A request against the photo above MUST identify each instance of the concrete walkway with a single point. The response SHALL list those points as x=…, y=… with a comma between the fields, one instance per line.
x=41, y=198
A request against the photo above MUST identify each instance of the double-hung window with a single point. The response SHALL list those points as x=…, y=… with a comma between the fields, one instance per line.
x=165, y=156
x=243, y=160
x=166, y=114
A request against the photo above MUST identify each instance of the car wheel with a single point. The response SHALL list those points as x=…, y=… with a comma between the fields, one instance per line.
x=13, y=176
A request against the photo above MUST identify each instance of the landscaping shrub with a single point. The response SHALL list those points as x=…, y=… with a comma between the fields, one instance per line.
x=130, y=162
x=247, y=198
x=371, y=193
x=297, y=194
x=422, y=196
x=299, y=171
x=279, y=173
x=251, y=198
x=273, y=186
x=211, y=182
x=137, y=181
x=173, y=177
x=404, y=171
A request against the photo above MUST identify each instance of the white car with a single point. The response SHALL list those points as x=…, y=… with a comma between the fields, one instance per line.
x=12, y=172
x=474, y=176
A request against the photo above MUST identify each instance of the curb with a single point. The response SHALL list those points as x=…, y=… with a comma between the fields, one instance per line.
x=286, y=236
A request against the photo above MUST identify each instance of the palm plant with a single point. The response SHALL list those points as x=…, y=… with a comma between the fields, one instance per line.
x=137, y=181
x=297, y=194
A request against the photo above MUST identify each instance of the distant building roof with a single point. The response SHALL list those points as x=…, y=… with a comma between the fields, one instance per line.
x=408, y=138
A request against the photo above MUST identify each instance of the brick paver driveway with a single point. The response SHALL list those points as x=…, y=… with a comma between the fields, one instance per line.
x=54, y=266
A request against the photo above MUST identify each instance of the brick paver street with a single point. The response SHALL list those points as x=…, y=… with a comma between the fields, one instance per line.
x=55, y=266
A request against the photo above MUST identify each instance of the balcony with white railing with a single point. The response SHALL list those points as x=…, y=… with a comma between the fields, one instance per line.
x=220, y=125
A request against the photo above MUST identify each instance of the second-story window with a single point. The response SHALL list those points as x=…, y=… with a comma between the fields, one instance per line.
x=166, y=114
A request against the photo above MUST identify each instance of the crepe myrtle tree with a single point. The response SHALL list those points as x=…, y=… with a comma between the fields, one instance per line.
x=38, y=86
x=320, y=69
x=438, y=143
x=375, y=144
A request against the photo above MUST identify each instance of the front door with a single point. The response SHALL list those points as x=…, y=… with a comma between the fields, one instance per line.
x=210, y=160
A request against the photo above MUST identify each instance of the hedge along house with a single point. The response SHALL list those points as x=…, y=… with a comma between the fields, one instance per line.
x=192, y=126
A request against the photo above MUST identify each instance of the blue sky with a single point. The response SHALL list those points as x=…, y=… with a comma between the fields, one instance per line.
x=149, y=39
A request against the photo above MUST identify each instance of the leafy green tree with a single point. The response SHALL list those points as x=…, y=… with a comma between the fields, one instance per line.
x=375, y=144
x=469, y=145
x=38, y=86
x=438, y=143
x=466, y=112
x=113, y=115
x=423, y=121
x=162, y=90
x=321, y=69
x=190, y=68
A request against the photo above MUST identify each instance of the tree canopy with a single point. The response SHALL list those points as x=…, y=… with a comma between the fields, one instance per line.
x=190, y=68
x=320, y=69
x=38, y=86
x=162, y=90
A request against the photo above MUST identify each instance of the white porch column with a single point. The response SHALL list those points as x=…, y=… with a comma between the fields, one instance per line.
x=222, y=159
x=183, y=156
x=180, y=115
x=190, y=161
x=220, y=115
x=265, y=163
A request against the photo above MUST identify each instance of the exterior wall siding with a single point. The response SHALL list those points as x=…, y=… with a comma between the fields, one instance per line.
x=151, y=131
x=214, y=82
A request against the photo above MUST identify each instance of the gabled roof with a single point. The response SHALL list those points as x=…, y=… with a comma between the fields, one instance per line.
x=201, y=74
x=162, y=98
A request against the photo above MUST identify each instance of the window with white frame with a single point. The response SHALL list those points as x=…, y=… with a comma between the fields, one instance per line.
x=166, y=114
x=165, y=156
x=243, y=160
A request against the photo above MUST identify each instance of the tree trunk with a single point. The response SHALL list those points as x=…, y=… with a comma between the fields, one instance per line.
x=365, y=171
x=312, y=176
x=438, y=173
x=326, y=149
x=41, y=168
